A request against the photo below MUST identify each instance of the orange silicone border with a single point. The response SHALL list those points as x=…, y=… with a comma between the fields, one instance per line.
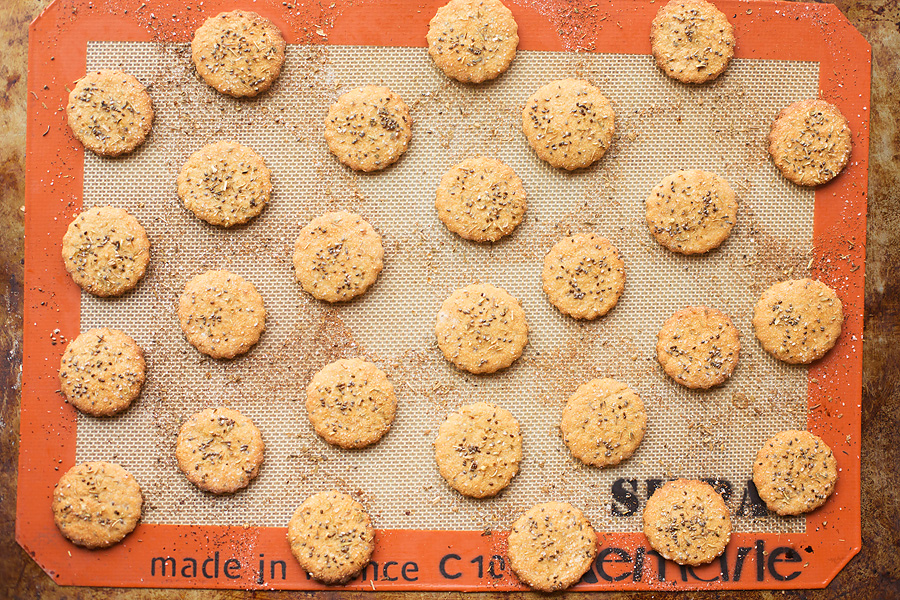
x=764, y=29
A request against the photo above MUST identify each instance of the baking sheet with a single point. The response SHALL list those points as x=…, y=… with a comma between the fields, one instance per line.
x=662, y=126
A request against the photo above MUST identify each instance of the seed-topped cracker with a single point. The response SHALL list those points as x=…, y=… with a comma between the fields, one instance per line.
x=219, y=450
x=698, y=347
x=221, y=314
x=552, y=546
x=110, y=112
x=478, y=449
x=481, y=199
x=692, y=40
x=369, y=128
x=332, y=537
x=569, y=123
x=102, y=372
x=810, y=142
x=798, y=320
x=584, y=276
x=473, y=40
x=351, y=403
x=687, y=522
x=96, y=504
x=225, y=184
x=795, y=472
x=481, y=329
x=106, y=251
x=337, y=256
x=691, y=212
x=239, y=53
x=603, y=422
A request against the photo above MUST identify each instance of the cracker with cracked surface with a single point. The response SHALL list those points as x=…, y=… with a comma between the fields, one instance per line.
x=603, y=422
x=221, y=314
x=687, y=522
x=698, y=347
x=569, y=123
x=552, y=546
x=225, y=184
x=106, y=251
x=473, y=40
x=795, y=472
x=102, y=372
x=481, y=328
x=368, y=128
x=481, y=199
x=110, y=112
x=810, y=142
x=478, y=449
x=331, y=536
x=219, y=450
x=798, y=320
x=351, y=403
x=691, y=40
x=239, y=53
x=96, y=504
x=337, y=256
x=584, y=276
x=691, y=212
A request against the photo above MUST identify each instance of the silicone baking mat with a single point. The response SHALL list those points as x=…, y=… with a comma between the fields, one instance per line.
x=430, y=537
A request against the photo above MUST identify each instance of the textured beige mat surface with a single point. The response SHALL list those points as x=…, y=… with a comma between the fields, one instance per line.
x=661, y=127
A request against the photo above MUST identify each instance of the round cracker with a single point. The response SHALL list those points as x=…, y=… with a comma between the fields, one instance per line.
x=351, y=403
x=368, y=128
x=96, y=504
x=687, y=522
x=584, y=276
x=473, y=40
x=221, y=314
x=691, y=212
x=239, y=53
x=795, y=472
x=481, y=199
x=603, y=422
x=337, y=256
x=219, y=450
x=691, y=40
x=551, y=546
x=110, y=112
x=102, y=372
x=569, y=123
x=225, y=184
x=332, y=537
x=106, y=251
x=481, y=329
x=698, y=347
x=810, y=142
x=798, y=320
x=478, y=449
